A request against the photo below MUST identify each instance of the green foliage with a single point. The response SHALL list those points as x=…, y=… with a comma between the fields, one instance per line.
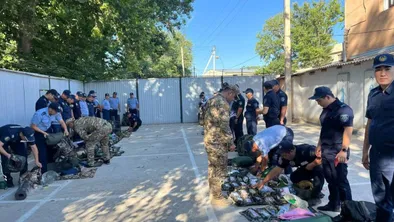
x=311, y=30
x=92, y=39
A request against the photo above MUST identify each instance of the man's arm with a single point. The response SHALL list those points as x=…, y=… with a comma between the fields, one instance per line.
x=347, y=136
x=272, y=174
x=3, y=151
x=283, y=112
x=265, y=110
x=64, y=126
x=318, y=148
x=366, y=146
x=315, y=163
x=34, y=150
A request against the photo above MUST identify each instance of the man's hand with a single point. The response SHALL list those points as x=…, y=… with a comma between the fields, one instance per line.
x=318, y=153
x=232, y=148
x=8, y=156
x=259, y=185
x=45, y=134
x=66, y=133
x=38, y=164
x=282, y=122
x=365, y=161
x=318, y=161
x=341, y=156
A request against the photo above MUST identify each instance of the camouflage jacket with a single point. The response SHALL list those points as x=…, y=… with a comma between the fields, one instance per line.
x=217, y=122
x=85, y=126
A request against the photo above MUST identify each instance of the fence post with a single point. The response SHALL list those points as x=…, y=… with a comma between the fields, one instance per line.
x=49, y=82
x=180, y=97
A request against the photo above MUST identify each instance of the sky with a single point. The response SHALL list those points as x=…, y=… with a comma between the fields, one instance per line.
x=232, y=27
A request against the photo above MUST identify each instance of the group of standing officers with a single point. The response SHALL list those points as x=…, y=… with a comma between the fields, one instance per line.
x=332, y=151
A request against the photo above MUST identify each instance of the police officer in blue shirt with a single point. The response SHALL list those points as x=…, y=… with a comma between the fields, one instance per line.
x=50, y=96
x=271, y=106
x=336, y=122
x=237, y=118
x=106, y=107
x=282, y=102
x=14, y=138
x=378, y=150
x=252, y=108
x=133, y=105
x=115, y=106
x=41, y=124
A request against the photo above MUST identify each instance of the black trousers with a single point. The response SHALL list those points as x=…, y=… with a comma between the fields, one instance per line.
x=42, y=151
x=316, y=174
x=382, y=177
x=135, y=111
x=251, y=126
x=113, y=114
x=336, y=177
x=18, y=149
x=271, y=122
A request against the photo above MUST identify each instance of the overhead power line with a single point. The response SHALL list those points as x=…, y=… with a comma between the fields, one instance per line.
x=245, y=61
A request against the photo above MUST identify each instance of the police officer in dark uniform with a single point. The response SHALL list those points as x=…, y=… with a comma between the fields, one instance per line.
x=282, y=102
x=76, y=107
x=252, y=108
x=64, y=103
x=90, y=102
x=236, y=121
x=336, y=122
x=135, y=122
x=50, y=96
x=14, y=138
x=271, y=106
x=309, y=167
x=378, y=150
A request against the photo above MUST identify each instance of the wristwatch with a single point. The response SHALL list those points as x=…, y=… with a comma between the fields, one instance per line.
x=344, y=149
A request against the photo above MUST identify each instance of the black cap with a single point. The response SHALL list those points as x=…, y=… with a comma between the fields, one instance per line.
x=115, y=93
x=91, y=95
x=79, y=93
x=92, y=92
x=285, y=146
x=131, y=94
x=83, y=95
x=55, y=106
x=72, y=97
x=248, y=90
x=383, y=60
x=274, y=82
x=107, y=94
x=67, y=93
x=29, y=134
x=268, y=84
x=53, y=92
x=321, y=92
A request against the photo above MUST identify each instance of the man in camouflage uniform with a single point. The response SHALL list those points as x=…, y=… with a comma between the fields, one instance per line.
x=218, y=139
x=93, y=130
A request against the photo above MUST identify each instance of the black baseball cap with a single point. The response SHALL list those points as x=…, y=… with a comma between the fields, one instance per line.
x=107, y=94
x=248, y=90
x=92, y=92
x=29, y=134
x=67, y=93
x=383, y=60
x=55, y=106
x=131, y=94
x=53, y=92
x=115, y=93
x=285, y=146
x=72, y=97
x=83, y=95
x=79, y=93
x=321, y=92
x=268, y=84
x=274, y=82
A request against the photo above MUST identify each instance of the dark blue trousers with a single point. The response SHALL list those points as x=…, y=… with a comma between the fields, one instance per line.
x=18, y=149
x=381, y=174
x=42, y=150
x=271, y=122
x=251, y=126
x=106, y=114
x=336, y=177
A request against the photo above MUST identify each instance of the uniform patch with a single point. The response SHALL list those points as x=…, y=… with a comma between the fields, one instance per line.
x=382, y=58
x=344, y=118
x=282, y=99
x=292, y=163
x=280, y=161
x=7, y=139
x=304, y=163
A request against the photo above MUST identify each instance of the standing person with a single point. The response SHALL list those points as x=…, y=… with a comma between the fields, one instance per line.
x=378, y=150
x=83, y=105
x=76, y=106
x=106, y=108
x=41, y=124
x=282, y=102
x=50, y=96
x=64, y=103
x=218, y=140
x=14, y=137
x=236, y=121
x=93, y=130
x=96, y=104
x=336, y=122
x=133, y=105
x=90, y=103
x=251, y=113
x=115, y=105
x=271, y=106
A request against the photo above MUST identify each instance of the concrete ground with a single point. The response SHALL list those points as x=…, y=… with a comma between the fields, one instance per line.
x=160, y=177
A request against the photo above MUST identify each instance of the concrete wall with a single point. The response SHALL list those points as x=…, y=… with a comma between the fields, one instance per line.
x=353, y=90
x=370, y=25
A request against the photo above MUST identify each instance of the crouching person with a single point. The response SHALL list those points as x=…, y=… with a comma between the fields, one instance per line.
x=309, y=167
x=135, y=122
x=93, y=130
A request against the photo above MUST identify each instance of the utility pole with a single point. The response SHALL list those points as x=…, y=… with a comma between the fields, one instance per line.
x=288, y=87
x=194, y=70
x=183, y=62
x=242, y=71
x=214, y=59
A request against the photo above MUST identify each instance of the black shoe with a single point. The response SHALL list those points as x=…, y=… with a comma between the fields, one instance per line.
x=107, y=162
x=10, y=183
x=329, y=207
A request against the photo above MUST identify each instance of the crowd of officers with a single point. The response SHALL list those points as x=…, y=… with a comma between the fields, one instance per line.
x=326, y=161
x=78, y=116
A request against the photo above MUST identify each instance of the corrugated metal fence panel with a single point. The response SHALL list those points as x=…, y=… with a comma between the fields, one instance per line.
x=159, y=100
x=59, y=84
x=191, y=89
x=31, y=87
x=123, y=88
x=76, y=86
x=244, y=82
x=44, y=83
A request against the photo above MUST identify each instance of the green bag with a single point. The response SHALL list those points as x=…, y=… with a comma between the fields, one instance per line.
x=241, y=144
x=54, y=138
x=242, y=161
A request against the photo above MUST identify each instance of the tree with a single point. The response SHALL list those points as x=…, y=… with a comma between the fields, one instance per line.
x=87, y=39
x=312, y=41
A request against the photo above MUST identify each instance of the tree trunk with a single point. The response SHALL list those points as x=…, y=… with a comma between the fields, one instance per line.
x=27, y=27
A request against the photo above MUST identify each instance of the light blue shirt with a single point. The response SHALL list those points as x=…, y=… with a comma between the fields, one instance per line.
x=96, y=102
x=132, y=103
x=43, y=120
x=84, y=108
x=270, y=138
x=114, y=102
x=106, y=105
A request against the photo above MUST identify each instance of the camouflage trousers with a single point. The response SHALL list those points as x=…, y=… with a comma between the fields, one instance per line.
x=99, y=136
x=217, y=168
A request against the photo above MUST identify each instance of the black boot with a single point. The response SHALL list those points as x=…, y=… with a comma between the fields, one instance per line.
x=107, y=162
x=10, y=182
x=329, y=207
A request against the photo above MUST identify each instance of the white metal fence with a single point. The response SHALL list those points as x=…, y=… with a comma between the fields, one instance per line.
x=164, y=100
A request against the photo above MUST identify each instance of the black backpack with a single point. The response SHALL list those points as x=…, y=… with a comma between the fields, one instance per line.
x=353, y=211
x=241, y=144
